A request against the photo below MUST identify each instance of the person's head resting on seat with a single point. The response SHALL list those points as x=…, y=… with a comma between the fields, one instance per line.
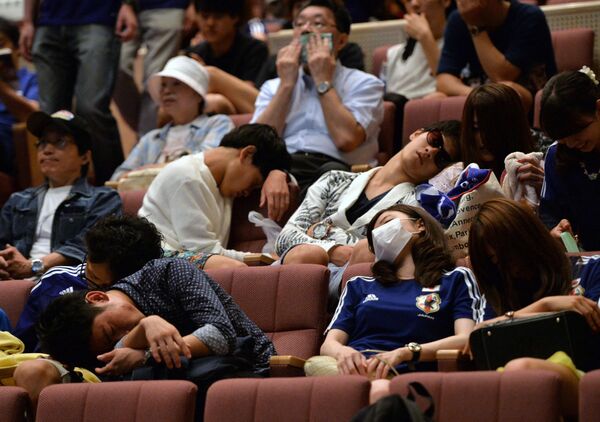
x=78, y=326
x=118, y=246
x=514, y=258
x=245, y=157
x=324, y=17
x=429, y=151
x=63, y=146
x=494, y=124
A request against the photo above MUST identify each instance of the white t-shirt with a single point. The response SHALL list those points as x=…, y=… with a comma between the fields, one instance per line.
x=411, y=78
x=186, y=206
x=175, y=146
x=43, y=230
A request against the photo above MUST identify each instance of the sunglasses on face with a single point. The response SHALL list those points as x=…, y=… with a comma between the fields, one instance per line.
x=60, y=143
x=435, y=139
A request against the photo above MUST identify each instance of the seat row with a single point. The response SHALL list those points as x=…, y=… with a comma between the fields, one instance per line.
x=468, y=396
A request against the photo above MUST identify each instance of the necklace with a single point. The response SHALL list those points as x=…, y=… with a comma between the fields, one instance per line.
x=590, y=175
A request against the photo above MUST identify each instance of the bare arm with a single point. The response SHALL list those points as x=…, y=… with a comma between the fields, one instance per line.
x=17, y=105
x=451, y=85
x=347, y=134
x=287, y=70
x=28, y=28
x=418, y=28
x=493, y=61
x=378, y=364
x=349, y=361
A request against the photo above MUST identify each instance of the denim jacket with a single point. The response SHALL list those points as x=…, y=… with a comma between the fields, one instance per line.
x=84, y=205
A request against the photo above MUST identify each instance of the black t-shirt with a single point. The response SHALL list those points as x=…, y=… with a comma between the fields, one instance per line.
x=362, y=206
x=244, y=60
x=524, y=39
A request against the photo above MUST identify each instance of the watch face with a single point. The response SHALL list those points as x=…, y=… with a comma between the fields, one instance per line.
x=36, y=266
x=323, y=87
x=320, y=231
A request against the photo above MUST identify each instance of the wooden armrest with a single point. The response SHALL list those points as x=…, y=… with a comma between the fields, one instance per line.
x=258, y=259
x=111, y=184
x=360, y=168
x=451, y=354
x=287, y=360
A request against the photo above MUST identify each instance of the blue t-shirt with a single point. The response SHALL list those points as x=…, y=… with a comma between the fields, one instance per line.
x=163, y=4
x=78, y=12
x=28, y=88
x=588, y=284
x=56, y=282
x=524, y=40
x=573, y=195
x=4, y=321
x=380, y=317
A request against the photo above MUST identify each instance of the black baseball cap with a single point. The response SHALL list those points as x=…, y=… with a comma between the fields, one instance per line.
x=38, y=121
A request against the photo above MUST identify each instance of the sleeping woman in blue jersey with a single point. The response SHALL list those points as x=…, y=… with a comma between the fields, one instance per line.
x=523, y=271
x=416, y=303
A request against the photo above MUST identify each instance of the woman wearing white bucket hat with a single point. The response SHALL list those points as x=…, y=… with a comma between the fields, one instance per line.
x=180, y=90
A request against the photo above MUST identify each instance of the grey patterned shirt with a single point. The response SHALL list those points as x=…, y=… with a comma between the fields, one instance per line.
x=195, y=304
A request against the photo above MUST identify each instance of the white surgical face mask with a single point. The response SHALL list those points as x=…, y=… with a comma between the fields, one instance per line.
x=390, y=239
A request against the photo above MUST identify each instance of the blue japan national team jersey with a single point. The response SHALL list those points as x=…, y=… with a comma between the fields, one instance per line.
x=588, y=284
x=385, y=317
x=55, y=282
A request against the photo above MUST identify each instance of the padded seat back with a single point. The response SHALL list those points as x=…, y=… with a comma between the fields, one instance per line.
x=423, y=112
x=13, y=297
x=13, y=403
x=386, y=134
x=589, y=397
x=315, y=399
x=132, y=201
x=244, y=235
x=356, y=270
x=148, y=401
x=287, y=302
x=379, y=56
x=573, y=48
x=488, y=395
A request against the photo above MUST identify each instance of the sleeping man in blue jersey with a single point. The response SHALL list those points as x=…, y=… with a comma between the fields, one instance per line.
x=117, y=247
x=416, y=303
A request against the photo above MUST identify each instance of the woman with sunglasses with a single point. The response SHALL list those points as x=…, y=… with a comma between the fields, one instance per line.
x=494, y=126
x=334, y=215
x=571, y=194
x=416, y=303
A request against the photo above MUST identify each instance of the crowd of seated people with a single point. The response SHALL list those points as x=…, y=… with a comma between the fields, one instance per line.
x=116, y=293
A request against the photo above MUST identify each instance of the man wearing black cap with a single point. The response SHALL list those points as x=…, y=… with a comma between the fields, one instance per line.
x=42, y=227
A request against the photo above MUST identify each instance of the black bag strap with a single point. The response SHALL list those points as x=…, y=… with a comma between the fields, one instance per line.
x=421, y=391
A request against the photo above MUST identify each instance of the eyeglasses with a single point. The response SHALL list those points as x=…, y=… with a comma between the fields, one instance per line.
x=435, y=139
x=60, y=143
x=316, y=24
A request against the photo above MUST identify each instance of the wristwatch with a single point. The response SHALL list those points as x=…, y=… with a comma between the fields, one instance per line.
x=475, y=30
x=323, y=87
x=320, y=231
x=37, y=266
x=415, y=348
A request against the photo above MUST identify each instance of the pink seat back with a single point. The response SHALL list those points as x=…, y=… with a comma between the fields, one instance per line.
x=13, y=296
x=13, y=403
x=315, y=399
x=424, y=112
x=589, y=397
x=132, y=201
x=573, y=48
x=356, y=270
x=379, y=56
x=488, y=395
x=148, y=401
x=241, y=119
x=287, y=302
x=244, y=235
x=386, y=134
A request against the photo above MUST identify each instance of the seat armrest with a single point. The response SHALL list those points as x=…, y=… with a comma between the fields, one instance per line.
x=360, y=168
x=287, y=366
x=452, y=360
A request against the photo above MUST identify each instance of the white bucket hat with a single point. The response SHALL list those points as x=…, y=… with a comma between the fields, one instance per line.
x=184, y=69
